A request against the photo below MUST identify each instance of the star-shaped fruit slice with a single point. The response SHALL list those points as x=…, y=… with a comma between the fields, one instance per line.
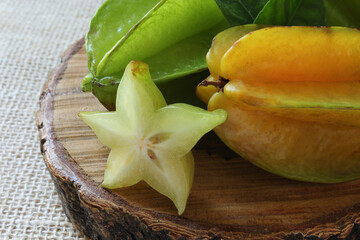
x=150, y=140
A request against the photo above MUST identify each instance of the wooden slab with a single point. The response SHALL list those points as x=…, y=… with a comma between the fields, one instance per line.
x=230, y=198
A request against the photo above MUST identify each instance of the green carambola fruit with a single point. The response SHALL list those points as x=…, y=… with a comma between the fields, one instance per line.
x=172, y=36
x=150, y=140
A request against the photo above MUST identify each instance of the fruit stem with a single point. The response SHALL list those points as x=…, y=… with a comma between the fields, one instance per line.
x=219, y=84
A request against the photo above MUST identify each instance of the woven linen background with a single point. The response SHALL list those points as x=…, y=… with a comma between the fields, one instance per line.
x=33, y=35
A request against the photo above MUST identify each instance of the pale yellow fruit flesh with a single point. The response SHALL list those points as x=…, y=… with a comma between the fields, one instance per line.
x=150, y=140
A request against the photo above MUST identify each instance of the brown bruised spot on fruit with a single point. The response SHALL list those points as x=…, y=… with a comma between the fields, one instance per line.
x=219, y=84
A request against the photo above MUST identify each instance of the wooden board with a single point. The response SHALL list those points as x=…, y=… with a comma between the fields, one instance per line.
x=230, y=198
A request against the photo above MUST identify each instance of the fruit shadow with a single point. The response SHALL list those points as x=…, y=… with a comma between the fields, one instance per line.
x=212, y=144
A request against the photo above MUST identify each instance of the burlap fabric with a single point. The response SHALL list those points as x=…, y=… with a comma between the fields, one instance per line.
x=33, y=34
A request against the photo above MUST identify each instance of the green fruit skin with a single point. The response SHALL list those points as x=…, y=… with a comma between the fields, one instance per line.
x=110, y=23
x=105, y=90
x=173, y=90
x=178, y=62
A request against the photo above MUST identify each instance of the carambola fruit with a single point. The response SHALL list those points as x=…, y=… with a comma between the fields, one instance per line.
x=150, y=140
x=293, y=100
x=172, y=36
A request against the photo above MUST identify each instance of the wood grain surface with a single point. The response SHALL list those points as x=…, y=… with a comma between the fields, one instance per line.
x=230, y=198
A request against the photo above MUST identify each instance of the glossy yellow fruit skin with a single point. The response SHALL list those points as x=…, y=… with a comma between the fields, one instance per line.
x=295, y=149
x=220, y=44
x=325, y=102
x=294, y=54
x=292, y=101
x=205, y=92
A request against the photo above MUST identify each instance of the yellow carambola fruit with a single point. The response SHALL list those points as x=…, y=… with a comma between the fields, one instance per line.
x=292, y=97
